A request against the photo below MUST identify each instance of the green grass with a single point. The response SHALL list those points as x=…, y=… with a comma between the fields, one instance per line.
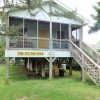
x=22, y=87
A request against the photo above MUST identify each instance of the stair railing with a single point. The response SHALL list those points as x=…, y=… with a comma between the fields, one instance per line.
x=92, y=69
x=91, y=53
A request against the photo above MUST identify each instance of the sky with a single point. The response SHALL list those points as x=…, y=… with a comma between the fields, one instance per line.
x=85, y=8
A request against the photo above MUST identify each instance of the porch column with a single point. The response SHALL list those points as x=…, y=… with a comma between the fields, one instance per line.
x=50, y=34
x=7, y=71
x=69, y=29
x=81, y=37
x=83, y=71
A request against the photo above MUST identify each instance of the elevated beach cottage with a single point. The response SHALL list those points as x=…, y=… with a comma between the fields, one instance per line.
x=54, y=32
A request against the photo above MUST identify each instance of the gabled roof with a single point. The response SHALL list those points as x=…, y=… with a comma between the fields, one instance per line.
x=67, y=11
x=86, y=21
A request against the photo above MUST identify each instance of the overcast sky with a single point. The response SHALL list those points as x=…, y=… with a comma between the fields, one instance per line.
x=85, y=8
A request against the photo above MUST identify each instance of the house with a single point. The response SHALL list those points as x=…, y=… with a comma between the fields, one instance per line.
x=54, y=33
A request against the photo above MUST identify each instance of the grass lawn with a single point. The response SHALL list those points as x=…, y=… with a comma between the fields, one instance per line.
x=22, y=87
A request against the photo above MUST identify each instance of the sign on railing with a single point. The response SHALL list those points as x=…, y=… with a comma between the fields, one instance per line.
x=30, y=53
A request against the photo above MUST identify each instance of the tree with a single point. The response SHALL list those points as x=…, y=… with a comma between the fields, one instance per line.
x=2, y=49
x=96, y=17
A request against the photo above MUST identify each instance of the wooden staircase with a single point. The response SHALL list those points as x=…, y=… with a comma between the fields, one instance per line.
x=88, y=59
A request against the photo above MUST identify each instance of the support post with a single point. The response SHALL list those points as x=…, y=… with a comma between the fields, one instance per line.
x=43, y=71
x=50, y=60
x=51, y=34
x=28, y=64
x=83, y=70
x=69, y=27
x=36, y=67
x=50, y=68
x=7, y=71
x=31, y=68
x=81, y=37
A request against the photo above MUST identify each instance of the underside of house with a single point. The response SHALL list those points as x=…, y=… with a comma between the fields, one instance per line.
x=46, y=42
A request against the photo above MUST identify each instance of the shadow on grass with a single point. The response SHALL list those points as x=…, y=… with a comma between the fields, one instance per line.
x=21, y=76
x=25, y=77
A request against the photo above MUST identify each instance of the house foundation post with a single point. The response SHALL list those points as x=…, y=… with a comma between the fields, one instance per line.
x=31, y=68
x=50, y=68
x=43, y=71
x=28, y=63
x=36, y=67
x=83, y=72
x=50, y=60
x=81, y=37
x=7, y=71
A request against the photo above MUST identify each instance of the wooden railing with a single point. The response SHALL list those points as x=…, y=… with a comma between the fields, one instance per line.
x=36, y=43
x=92, y=69
x=91, y=53
x=22, y=42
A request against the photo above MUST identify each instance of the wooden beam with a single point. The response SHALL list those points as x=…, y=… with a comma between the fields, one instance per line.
x=43, y=71
x=50, y=68
x=51, y=34
x=47, y=59
x=28, y=64
x=69, y=28
x=50, y=60
x=53, y=59
x=81, y=37
x=36, y=67
x=83, y=70
x=7, y=71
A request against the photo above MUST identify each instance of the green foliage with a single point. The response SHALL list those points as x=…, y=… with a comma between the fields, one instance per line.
x=11, y=30
x=2, y=48
x=96, y=17
x=98, y=50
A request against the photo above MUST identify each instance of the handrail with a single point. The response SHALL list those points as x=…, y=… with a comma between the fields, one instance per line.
x=92, y=53
x=91, y=49
x=92, y=69
x=85, y=54
x=36, y=43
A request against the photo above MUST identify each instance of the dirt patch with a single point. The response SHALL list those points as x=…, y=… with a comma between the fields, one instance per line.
x=24, y=98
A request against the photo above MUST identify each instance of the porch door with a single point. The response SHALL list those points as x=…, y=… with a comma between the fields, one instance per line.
x=43, y=42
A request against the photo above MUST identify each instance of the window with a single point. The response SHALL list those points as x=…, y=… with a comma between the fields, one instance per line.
x=64, y=31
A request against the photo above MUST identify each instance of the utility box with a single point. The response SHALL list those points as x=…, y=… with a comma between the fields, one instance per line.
x=63, y=66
